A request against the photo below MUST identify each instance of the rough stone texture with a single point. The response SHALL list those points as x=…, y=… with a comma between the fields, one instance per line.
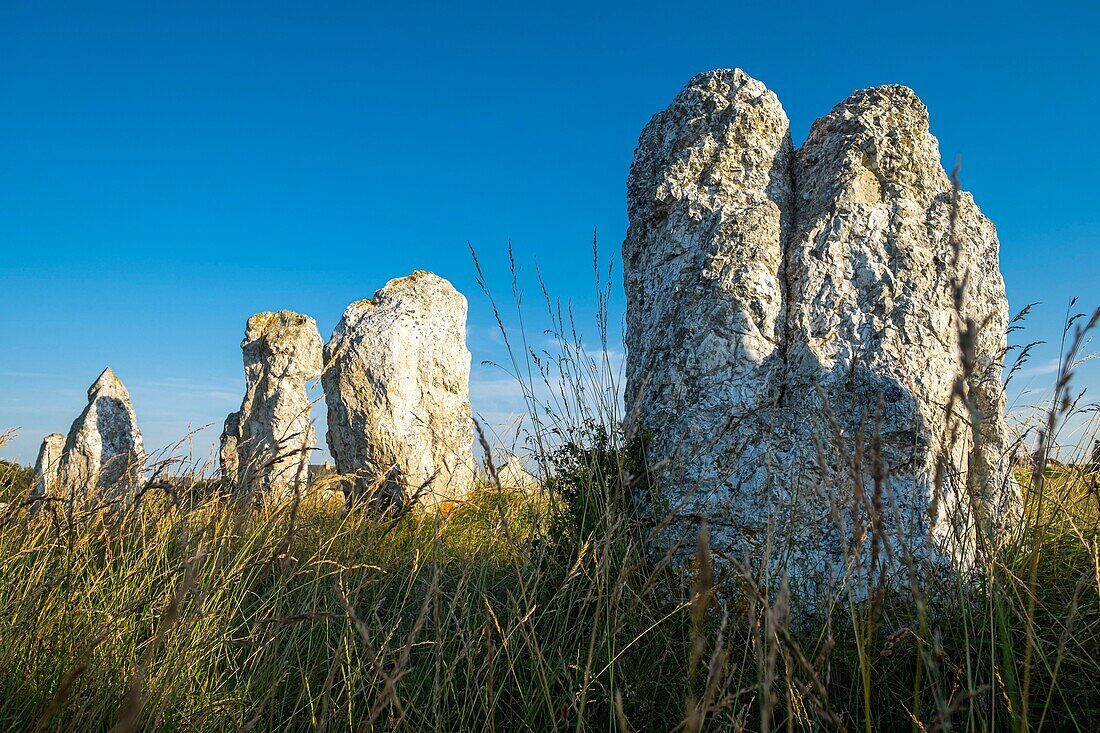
x=709, y=187
x=396, y=382
x=783, y=305
x=273, y=432
x=104, y=454
x=48, y=466
x=708, y=202
x=874, y=270
x=228, y=459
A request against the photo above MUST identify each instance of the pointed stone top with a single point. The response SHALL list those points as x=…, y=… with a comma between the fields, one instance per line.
x=889, y=105
x=418, y=280
x=711, y=92
x=47, y=465
x=886, y=96
x=108, y=384
x=732, y=76
x=722, y=145
x=413, y=277
x=50, y=450
x=873, y=145
x=890, y=112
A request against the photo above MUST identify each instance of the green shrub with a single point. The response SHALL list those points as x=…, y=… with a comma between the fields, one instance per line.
x=15, y=481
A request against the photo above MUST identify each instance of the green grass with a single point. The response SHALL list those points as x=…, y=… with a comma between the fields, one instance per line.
x=526, y=612
x=214, y=617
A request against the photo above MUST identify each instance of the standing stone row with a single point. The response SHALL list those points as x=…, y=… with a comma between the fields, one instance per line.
x=396, y=377
x=396, y=380
x=815, y=337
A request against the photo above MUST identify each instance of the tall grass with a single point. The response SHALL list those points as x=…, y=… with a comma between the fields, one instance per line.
x=528, y=610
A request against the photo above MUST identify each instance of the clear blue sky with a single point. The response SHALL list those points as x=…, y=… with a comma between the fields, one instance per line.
x=167, y=169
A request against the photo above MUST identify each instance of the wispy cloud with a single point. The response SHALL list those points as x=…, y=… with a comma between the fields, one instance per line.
x=1042, y=369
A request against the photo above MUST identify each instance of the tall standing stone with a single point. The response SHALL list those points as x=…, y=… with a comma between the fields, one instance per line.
x=792, y=338
x=104, y=455
x=708, y=200
x=48, y=466
x=875, y=271
x=396, y=382
x=273, y=434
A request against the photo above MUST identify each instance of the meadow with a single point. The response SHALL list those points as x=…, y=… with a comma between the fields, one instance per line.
x=530, y=610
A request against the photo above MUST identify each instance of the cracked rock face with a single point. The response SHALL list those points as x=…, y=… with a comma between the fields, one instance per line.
x=47, y=467
x=785, y=306
x=267, y=444
x=104, y=454
x=396, y=380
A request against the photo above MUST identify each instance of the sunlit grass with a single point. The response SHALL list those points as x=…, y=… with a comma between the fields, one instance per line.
x=214, y=617
x=513, y=610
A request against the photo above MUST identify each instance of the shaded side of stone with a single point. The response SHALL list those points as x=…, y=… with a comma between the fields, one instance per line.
x=228, y=459
x=104, y=454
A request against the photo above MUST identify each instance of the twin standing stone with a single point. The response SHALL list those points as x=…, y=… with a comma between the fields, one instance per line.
x=793, y=332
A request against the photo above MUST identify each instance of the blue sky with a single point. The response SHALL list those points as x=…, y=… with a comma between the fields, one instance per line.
x=167, y=169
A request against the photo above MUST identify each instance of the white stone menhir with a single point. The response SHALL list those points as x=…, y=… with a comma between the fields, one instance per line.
x=784, y=306
x=266, y=445
x=104, y=455
x=396, y=382
x=47, y=468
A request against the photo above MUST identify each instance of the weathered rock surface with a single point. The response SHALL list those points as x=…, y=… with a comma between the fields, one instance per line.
x=228, y=459
x=875, y=270
x=104, y=455
x=272, y=434
x=709, y=189
x=47, y=468
x=396, y=382
x=783, y=307
x=708, y=200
